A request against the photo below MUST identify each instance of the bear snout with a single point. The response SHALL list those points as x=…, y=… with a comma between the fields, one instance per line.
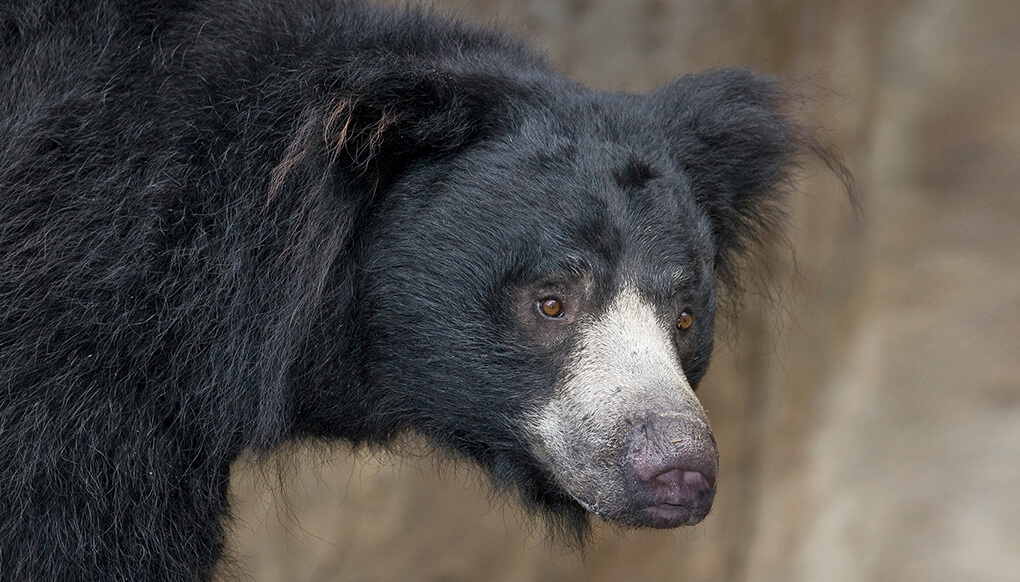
x=672, y=463
x=627, y=406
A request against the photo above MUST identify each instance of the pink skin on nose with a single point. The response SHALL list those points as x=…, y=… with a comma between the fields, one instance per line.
x=677, y=485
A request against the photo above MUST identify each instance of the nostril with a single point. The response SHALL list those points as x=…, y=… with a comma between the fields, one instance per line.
x=695, y=478
x=682, y=479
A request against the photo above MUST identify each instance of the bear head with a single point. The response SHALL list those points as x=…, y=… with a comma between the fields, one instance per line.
x=537, y=273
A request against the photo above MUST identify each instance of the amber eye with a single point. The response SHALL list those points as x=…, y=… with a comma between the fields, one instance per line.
x=685, y=321
x=551, y=307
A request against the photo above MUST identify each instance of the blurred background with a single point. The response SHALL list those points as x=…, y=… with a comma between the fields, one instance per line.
x=869, y=429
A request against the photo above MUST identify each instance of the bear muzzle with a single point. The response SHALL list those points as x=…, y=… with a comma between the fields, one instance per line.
x=624, y=434
x=653, y=469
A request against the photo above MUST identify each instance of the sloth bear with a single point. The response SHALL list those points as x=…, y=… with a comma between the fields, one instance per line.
x=226, y=225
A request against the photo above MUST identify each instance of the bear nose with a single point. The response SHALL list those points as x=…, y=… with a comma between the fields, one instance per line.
x=674, y=463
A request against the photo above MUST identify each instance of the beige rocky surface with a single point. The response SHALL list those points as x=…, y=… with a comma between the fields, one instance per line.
x=877, y=436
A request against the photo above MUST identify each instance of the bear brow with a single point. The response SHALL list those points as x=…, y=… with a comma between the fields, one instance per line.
x=635, y=174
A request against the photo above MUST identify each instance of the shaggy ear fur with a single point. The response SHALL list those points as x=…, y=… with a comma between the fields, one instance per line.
x=388, y=114
x=733, y=138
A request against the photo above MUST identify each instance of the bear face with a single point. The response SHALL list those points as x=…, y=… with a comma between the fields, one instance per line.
x=544, y=302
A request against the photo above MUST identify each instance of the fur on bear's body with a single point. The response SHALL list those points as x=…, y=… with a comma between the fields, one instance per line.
x=229, y=224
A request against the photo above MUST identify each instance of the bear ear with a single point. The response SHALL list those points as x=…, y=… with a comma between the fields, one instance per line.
x=382, y=116
x=731, y=134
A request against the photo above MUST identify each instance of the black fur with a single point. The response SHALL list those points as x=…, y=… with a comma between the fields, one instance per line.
x=229, y=224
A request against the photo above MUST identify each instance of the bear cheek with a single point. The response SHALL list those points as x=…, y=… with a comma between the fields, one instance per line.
x=624, y=434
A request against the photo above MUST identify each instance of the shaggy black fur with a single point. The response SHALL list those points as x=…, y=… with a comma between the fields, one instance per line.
x=225, y=224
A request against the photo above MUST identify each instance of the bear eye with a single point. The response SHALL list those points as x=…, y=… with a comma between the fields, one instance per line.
x=551, y=307
x=685, y=321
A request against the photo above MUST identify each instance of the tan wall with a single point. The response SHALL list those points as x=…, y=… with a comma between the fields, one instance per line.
x=869, y=429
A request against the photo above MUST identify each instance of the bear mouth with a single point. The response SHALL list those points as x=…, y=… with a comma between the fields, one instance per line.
x=671, y=515
x=656, y=514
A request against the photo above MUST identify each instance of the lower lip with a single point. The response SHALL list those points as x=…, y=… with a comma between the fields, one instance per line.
x=673, y=514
